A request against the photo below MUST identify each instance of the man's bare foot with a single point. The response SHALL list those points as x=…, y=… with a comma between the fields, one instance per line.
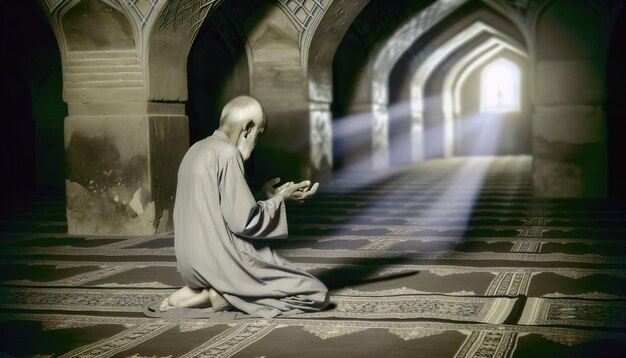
x=182, y=294
x=218, y=302
x=189, y=297
x=196, y=298
x=165, y=305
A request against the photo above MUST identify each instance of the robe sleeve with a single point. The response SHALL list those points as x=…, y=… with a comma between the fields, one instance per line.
x=243, y=215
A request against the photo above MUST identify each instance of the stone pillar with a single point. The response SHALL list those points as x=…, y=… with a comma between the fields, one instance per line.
x=122, y=152
x=569, y=139
x=368, y=149
x=410, y=131
x=380, y=136
x=321, y=150
x=126, y=132
x=417, y=137
x=569, y=149
x=122, y=161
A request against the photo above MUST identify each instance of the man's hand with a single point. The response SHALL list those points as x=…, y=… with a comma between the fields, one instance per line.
x=298, y=191
x=270, y=191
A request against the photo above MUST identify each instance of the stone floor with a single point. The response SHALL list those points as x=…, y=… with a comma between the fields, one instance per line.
x=448, y=258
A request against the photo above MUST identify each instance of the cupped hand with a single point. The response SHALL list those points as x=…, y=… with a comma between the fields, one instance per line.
x=269, y=189
x=299, y=191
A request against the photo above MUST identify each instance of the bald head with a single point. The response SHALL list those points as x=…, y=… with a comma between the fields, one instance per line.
x=242, y=120
x=240, y=110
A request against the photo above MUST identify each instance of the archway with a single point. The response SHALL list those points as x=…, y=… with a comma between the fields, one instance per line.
x=476, y=23
x=102, y=62
x=491, y=106
x=445, y=130
x=217, y=71
x=114, y=31
x=352, y=132
x=173, y=28
x=359, y=126
x=32, y=85
x=330, y=32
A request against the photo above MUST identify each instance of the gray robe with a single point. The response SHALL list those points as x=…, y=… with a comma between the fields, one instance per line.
x=217, y=224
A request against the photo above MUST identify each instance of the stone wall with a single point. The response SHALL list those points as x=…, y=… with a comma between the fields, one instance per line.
x=569, y=123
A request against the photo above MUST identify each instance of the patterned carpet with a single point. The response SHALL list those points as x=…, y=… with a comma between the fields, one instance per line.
x=448, y=258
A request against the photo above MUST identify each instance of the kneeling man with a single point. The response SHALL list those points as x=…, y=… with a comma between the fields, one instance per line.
x=221, y=231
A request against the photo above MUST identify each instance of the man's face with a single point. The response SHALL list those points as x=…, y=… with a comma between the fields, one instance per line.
x=247, y=140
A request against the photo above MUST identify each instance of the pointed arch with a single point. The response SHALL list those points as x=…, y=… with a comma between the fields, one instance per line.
x=568, y=28
x=171, y=31
x=320, y=53
x=220, y=44
x=455, y=79
x=429, y=64
x=116, y=30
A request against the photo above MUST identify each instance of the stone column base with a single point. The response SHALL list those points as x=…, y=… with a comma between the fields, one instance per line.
x=569, y=152
x=121, y=172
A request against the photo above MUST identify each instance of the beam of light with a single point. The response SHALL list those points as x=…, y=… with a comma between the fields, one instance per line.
x=352, y=141
x=405, y=145
x=478, y=133
x=462, y=189
x=459, y=191
x=455, y=79
x=352, y=145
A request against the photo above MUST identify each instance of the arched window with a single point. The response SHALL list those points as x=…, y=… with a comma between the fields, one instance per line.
x=500, y=83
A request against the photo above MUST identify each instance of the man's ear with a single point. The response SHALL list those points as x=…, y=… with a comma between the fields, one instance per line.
x=248, y=128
